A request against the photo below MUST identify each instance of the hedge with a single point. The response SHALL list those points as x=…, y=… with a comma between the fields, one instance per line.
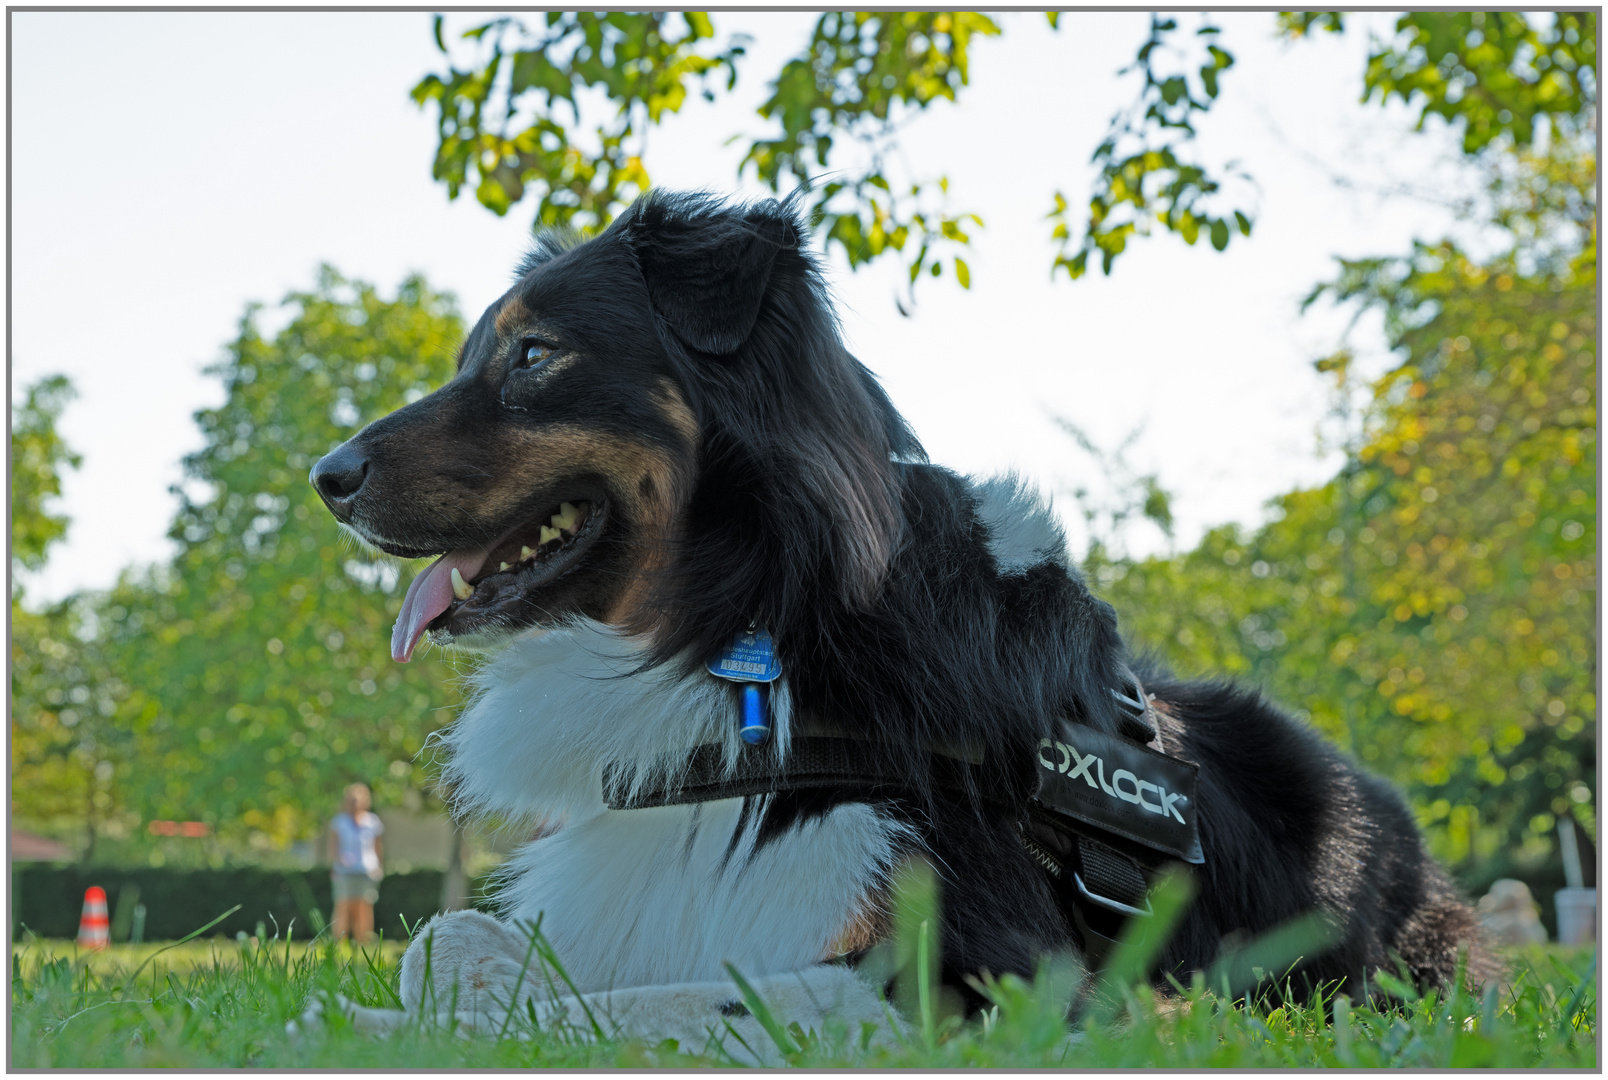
x=48, y=900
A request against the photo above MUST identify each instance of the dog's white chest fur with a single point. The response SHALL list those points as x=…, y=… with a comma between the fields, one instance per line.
x=660, y=895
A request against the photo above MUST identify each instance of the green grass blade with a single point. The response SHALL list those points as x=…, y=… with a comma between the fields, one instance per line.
x=513, y=998
x=762, y=1013
x=187, y=937
x=924, y=987
x=1588, y=981
x=1142, y=939
x=380, y=979
x=550, y=957
x=1271, y=954
x=1342, y=1031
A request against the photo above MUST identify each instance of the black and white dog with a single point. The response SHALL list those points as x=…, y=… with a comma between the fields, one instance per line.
x=656, y=446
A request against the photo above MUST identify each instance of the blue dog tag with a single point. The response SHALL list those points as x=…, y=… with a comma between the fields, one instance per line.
x=750, y=660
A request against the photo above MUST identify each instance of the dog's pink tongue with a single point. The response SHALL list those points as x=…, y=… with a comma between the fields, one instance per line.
x=428, y=596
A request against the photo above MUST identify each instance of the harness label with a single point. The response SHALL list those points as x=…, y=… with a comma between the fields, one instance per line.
x=1127, y=789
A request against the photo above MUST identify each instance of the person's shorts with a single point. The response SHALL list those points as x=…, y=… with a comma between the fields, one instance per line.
x=355, y=887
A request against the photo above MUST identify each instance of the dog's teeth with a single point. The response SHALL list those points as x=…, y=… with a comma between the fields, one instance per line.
x=461, y=588
x=567, y=518
x=525, y=553
x=501, y=567
x=548, y=534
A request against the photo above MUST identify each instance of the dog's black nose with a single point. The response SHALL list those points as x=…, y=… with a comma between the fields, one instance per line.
x=338, y=476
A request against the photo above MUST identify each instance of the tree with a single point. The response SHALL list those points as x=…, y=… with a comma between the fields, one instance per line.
x=64, y=745
x=38, y=456
x=864, y=75
x=67, y=745
x=259, y=656
x=1434, y=606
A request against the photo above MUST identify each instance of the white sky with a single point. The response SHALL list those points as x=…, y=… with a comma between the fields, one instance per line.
x=166, y=168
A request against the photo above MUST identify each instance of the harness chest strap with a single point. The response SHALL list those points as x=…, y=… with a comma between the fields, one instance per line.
x=1107, y=814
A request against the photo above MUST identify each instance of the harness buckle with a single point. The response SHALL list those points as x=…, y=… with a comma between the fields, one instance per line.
x=1141, y=723
x=1109, y=904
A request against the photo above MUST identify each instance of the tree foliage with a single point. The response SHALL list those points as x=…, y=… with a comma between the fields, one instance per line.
x=64, y=747
x=38, y=456
x=864, y=74
x=261, y=658
x=1434, y=607
x=1145, y=176
x=249, y=679
x=500, y=122
x=68, y=742
x=1492, y=73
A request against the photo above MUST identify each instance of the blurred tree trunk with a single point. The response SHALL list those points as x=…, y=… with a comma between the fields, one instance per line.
x=455, y=884
x=89, y=820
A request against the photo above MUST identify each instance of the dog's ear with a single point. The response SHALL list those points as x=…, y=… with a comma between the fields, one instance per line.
x=707, y=267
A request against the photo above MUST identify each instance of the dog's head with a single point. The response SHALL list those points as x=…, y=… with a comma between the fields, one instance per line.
x=558, y=473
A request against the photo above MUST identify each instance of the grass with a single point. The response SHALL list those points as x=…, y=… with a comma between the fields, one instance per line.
x=223, y=1004
x=207, y=1004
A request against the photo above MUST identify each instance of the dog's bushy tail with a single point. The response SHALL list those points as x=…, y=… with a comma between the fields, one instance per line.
x=1441, y=933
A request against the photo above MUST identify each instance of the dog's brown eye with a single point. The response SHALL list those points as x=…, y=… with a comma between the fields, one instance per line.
x=535, y=353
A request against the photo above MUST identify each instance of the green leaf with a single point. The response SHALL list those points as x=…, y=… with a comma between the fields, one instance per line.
x=962, y=273
x=700, y=24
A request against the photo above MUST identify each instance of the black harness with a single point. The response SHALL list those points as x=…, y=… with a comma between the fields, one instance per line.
x=1107, y=814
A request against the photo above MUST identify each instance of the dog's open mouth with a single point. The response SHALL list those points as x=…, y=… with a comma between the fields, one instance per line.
x=464, y=590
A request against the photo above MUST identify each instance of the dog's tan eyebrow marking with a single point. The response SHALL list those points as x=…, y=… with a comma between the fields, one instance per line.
x=511, y=314
x=674, y=408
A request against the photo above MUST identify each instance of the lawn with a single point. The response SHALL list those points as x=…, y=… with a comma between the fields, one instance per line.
x=220, y=1003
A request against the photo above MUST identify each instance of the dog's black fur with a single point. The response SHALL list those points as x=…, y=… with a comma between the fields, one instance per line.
x=808, y=508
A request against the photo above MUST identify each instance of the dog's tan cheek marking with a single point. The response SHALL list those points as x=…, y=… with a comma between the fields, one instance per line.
x=652, y=483
x=667, y=491
x=565, y=450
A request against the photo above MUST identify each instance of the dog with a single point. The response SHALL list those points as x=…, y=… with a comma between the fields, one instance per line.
x=655, y=446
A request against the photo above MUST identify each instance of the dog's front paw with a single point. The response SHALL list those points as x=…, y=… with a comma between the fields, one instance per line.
x=362, y=1018
x=466, y=961
x=312, y=1017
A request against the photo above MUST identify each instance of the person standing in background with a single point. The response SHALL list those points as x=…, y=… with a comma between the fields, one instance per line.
x=353, y=844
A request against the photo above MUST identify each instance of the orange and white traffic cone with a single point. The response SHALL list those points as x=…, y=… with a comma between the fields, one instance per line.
x=94, y=929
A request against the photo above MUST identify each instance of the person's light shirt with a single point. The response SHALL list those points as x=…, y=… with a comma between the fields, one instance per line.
x=354, y=843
